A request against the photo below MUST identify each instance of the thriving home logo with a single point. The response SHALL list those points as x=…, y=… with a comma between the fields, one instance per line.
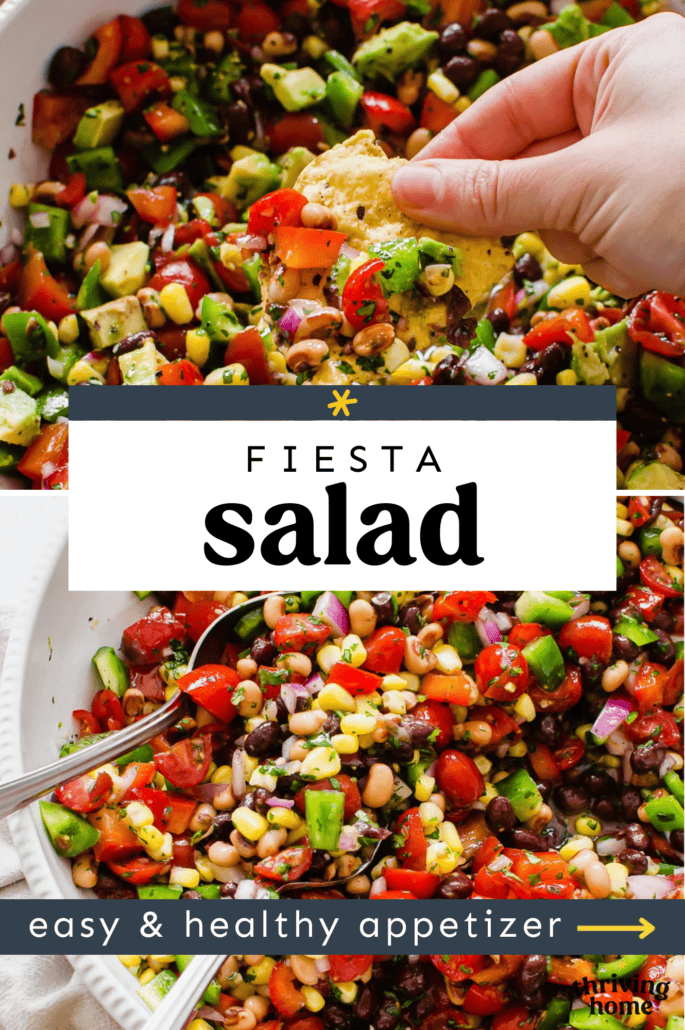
x=599, y=995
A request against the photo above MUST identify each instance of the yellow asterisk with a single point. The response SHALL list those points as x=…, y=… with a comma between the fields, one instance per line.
x=341, y=403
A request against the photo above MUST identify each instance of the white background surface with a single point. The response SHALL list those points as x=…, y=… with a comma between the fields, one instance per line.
x=25, y=518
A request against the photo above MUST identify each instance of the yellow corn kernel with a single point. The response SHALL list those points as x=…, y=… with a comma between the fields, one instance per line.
x=345, y=743
x=285, y=817
x=462, y=104
x=409, y=372
x=159, y=962
x=431, y=815
x=333, y=698
x=588, y=826
x=525, y=708
x=637, y=1018
x=353, y=651
x=518, y=750
x=148, y=975
x=197, y=346
x=68, y=330
x=610, y=762
x=348, y=991
x=169, y=692
x=411, y=680
x=425, y=785
x=394, y=682
x=567, y=377
x=297, y=834
x=83, y=372
x=443, y=87
x=312, y=999
x=239, y=598
x=618, y=875
x=449, y=835
x=440, y=859
x=448, y=658
x=138, y=815
x=511, y=350
x=21, y=193
x=186, y=878
x=321, y=763
x=394, y=702
x=230, y=256
x=483, y=764
x=204, y=868
x=264, y=779
x=251, y=824
x=368, y=704
x=130, y=961
x=523, y=379
x=621, y=511
x=490, y=789
x=240, y=151
x=176, y=304
x=623, y=527
x=327, y=656
x=528, y=243
x=675, y=574
x=358, y=723
x=165, y=851
x=276, y=362
x=249, y=764
x=199, y=1024
x=222, y=774
x=366, y=740
x=574, y=846
x=242, y=991
x=150, y=837
x=570, y=293
x=259, y=975
x=315, y=47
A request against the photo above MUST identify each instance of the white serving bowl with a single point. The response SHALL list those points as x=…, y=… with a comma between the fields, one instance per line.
x=47, y=674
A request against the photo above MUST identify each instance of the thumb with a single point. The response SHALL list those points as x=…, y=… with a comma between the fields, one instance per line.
x=488, y=197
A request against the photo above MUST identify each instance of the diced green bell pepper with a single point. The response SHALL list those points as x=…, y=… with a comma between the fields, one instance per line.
x=53, y=403
x=650, y=542
x=100, y=167
x=227, y=70
x=346, y=597
x=48, y=239
x=211, y=995
x=433, y=252
x=252, y=268
x=623, y=966
x=203, y=117
x=675, y=785
x=585, y=1019
x=665, y=814
x=219, y=322
x=525, y=797
x=165, y=157
x=337, y=62
x=91, y=294
x=31, y=385
x=615, y=16
x=546, y=662
x=485, y=81
x=324, y=813
x=402, y=266
x=538, y=606
x=209, y=891
x=636, y=631
x=663, y=384
x=555, y=1015
x=69, y=834
x=343, y=93
x=463, y=636
x=160, y=891
x=250, y=625
x=620, y=568
x=39, y=342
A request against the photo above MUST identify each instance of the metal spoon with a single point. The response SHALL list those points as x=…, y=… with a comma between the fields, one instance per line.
x=18, y=793
x=182, y=998
x=313, y=885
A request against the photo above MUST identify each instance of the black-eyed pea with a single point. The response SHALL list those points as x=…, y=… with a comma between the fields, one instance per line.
x=225, y=801
x=304, y=969
x=227, y=972
x=409, y=87
x=316, y=216
x=614, y=675
x=319, y=325
x=274, y=608
x=296, y=662
x=379, y=786
x=438, y=278
x=98, y=251
x=439, y=800
x=222, y=854
x=671, y=540
x=306, y=354
x=250, y=695
x=84, y=871
x=202, y=818
x=279, y=44
x=47, y=191
x=542, y=44
x=271, y=843
x=374, y=339
x=362, y=618
x=597, y=879
x=258, y=1006
x=482, y=49
x=298, y=752
x=419, y=139
x=284, y=284
x=240, y=1018
x=246, y=668
x=667, y=455
x=430, y=634
x=306, y=724
x=358, y=884
x=153, y=312
x=417, y=658
x=629, y=553
x=477, y=732
x=133, y=702
x=243, y=846
x=528, y=11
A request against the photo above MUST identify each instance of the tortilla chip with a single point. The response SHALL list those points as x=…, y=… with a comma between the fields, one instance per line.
x=353, y=180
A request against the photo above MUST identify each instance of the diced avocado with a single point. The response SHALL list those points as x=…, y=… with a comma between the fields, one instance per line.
x=31, y=385
x=155, y=991
x=69, y=834
x=139, y=367
x=60, y=366
x=100, y=167
x=343, y=94
x=99, y=126
x=433, y=252
x=663, y=384
x=618, y=351
x=111, y=670
x=48, y=238
x=392, y=50
x=128, y=269
x=521, y=790
x=53, y=403
x=654, y=475
x=588, y=365
x=10, y=456
x=113, y=321
x=291, y=164
x=402, y=267
x=296, y=88
x=249, y=179
x=19, y=418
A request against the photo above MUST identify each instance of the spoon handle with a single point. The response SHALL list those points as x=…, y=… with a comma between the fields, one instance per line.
x=181, y=999
x=18, y=793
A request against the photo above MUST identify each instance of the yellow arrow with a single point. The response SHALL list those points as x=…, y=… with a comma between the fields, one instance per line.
x=644, y=929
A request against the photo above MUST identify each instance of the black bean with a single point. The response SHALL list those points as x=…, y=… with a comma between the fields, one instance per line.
x=625, y=649
x=499, y=320
x=536, y=1001
x=365, y=1003
x=647, y=757
x=227, y=890
x=662, y=650
x=263, y=740
x=636, y=837
x=411, y=618
x=492, y=22
x=531, y=974
x=635, y=861
x=263, y=652
x=449, y=371
x=597, y=782
x=223, y=826
x=133, y=342
x=332, y=724
x=410, y=980
x=382, y=604
x=664, y=621
x=527, y=268
x=462, y=71
x=550, y=361
x=456, y=886
x=177, y=179
x=296, y=24
x=191, y=896
x=550, y=728
x=510, y=52
x=591, y=670
x=388, y=1012
x=522, y=837
x=337, y=1017
x=240, y=122
x=630, y=803
x=418, y=729
x=425, y=1006
x=282, y=713
x=337, y=28
x=676, y=840
x=572, y=799
x=499, y=815
x=453, y=40
x=66, y=66
x=604, y=808
x=654, y=511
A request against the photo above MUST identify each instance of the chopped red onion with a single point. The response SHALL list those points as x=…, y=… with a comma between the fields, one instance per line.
x=502, y=620
x=614, y=713
x=207, y=791
x=378, y=886
x=485, y=369
x=610, y=846
x=290, y=322
x=17, y=237
x=287, y=745
x=47, y=468
x=333, y=613
x=644, y=887
x=322, y=965
x=280, y=802
x=238, y=770
x=617, y=742
x=667, y=764
x=40, y=220
x=9, y=253
x=167, y=243
x=314, y=683
x=487, y=628
x=225, y=875
x=348, y=842
x=580, y=605
x=104, y=210
x=251, y=242
x=499, y=863
x=347, y=251
x=289, y=698
x=209, y=1013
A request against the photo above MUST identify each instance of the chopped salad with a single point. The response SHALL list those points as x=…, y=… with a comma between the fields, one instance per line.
x=427, y=992
x=431, y=744
x=177, y=142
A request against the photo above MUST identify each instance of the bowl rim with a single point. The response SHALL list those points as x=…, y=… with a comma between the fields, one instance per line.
x=121, y=1003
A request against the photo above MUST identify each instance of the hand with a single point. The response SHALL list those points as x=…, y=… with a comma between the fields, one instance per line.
x=587, y=146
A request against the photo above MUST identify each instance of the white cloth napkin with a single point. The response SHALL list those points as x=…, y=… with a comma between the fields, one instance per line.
x=37, y=992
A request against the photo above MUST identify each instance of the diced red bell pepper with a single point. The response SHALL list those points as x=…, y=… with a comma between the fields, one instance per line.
x=354, y=681
x=136, y=81
x=453, y=688
x=282, y=207
x=109, y=38
x=55, y=118
x=136, y=43
x=658, y=322
x=155, y=204
x=386, y=114
x=308, y=248
x=49, y=451
x=73, y=192
x=282, y=990
x=211, y=687
x=462, y=605
x=544, y=763
x=165, y=122
x=247, y=349
x=420, y=884
x=10, y=275
x=436, y=115
x=38, y=291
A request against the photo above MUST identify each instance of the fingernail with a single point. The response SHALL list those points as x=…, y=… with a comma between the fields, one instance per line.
x=417, y=185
